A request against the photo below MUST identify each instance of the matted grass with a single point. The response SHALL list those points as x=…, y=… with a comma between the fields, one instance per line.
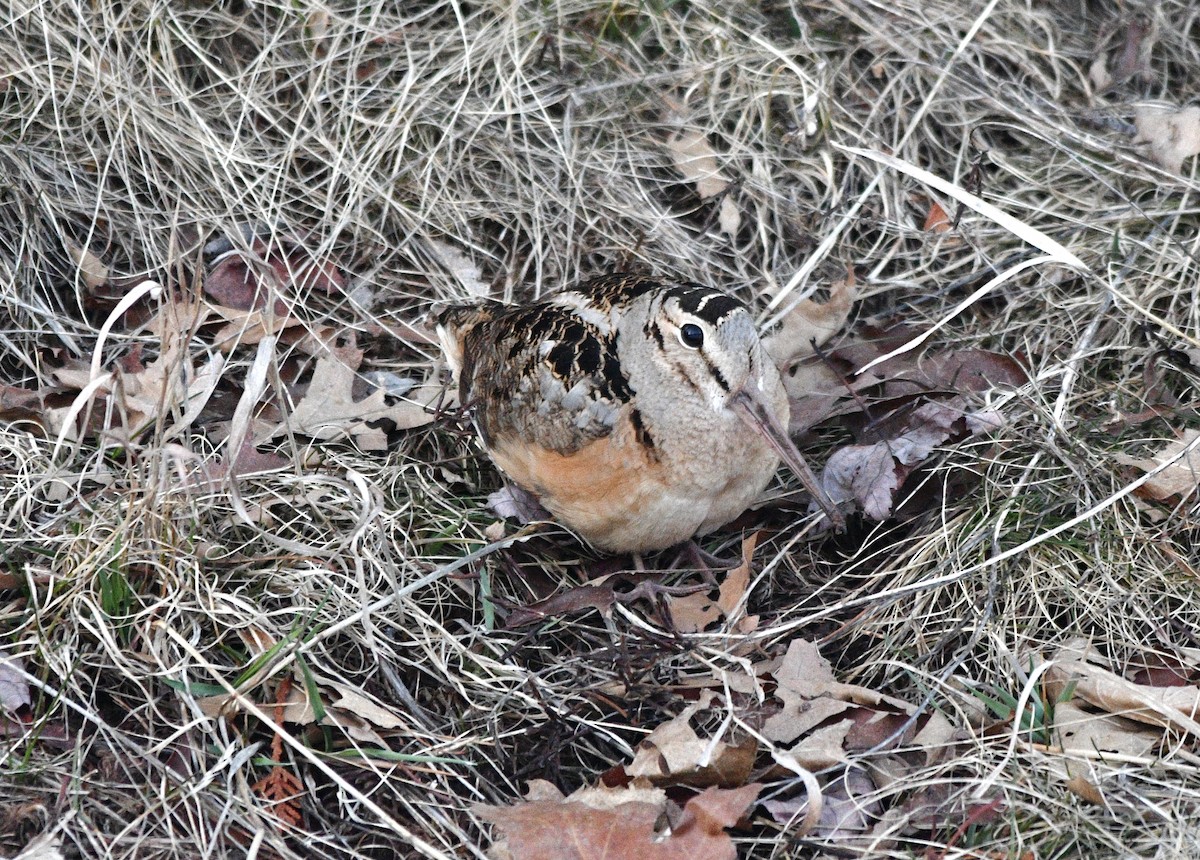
x=531, y=139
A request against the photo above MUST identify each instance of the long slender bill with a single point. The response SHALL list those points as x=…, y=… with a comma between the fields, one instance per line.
x=759, y=416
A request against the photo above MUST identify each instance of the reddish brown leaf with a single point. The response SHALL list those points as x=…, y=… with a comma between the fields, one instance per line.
x=282, y=789
x=937, y=221
x=576, y=829
x=17, y=404
x=244, y=283
x=234, y=283
x=569, y=602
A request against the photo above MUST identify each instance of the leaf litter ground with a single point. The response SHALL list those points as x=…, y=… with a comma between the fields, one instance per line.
x=252, y=600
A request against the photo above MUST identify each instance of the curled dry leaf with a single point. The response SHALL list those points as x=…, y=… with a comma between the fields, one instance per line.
x=810, y=324
x=865, y=474
x=696, y=159
x=1180, y=479
x=1175, y=707
x=92, y=270
x=1172, y=133
x=617, y=824
x=871, y=475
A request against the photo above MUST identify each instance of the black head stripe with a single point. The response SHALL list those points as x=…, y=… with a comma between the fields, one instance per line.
x=707, y=304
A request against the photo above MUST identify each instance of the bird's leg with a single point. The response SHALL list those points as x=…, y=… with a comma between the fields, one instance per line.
x=703, y=560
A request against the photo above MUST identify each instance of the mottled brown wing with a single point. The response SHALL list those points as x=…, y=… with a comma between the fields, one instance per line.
x=538, y=373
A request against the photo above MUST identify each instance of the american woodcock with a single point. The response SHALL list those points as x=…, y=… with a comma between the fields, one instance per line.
x=640, y=414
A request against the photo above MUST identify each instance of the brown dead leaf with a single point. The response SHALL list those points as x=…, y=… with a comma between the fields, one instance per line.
x=865, y=474
x=359, y=716
x=1086, y=739
x=1093, y=736
x=1179, y=479
x=1172, y=133
x=92, y=270
x=172, y=386
x=248, y=461
x=460, y=266
x=328, y=409
x=674, y=754
x=937, y=221
x=1175, y=707
x=871, y=474
x=277, y=266
x=696, y=159
x=618, y=824
x=960, y=371
x=849, y=805
x=810, y=324
x=694, y=613
x=821, y=719
x=1084, y=788
x=20, y=404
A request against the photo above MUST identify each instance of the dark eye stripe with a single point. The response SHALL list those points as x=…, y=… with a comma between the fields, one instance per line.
x=715, y=372
x=653, y=329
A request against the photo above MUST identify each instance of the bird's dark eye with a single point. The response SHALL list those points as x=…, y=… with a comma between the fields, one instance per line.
x=691, y=336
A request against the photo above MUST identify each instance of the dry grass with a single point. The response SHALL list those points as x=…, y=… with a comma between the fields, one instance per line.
x=531, y=138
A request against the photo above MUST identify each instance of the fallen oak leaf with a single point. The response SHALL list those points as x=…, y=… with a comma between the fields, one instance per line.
x=872, y=474
x=329, y=411
x=810, y=324
x=848, y=805
x=865, y=474
x=693, y=613
x=617, y=824
x=808, y=723
x=1083, y=736
x=460, y=266
x=246, y=280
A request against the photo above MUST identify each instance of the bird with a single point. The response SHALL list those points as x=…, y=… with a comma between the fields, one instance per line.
x=640, y=413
